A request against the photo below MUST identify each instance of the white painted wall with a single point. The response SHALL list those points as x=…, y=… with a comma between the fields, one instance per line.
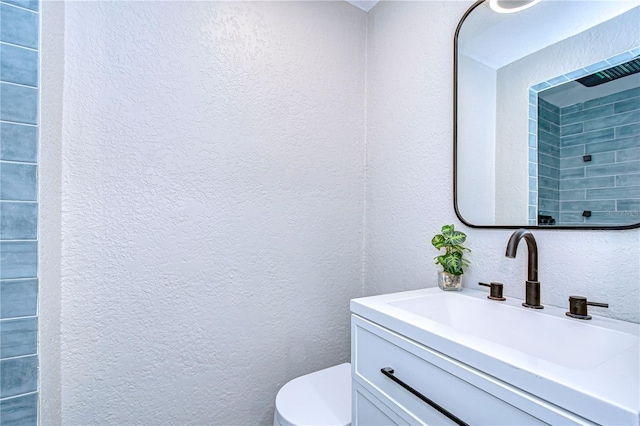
x=409, y=179
x=476, y=141
x=212, y=202
x=211, y=220
x=50, y=213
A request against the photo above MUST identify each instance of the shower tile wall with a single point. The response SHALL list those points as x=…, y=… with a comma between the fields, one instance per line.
x=607, y=129
x=19, y=27
x=548, y=159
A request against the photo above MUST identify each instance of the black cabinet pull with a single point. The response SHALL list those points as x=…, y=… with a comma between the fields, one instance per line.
x=388, y=371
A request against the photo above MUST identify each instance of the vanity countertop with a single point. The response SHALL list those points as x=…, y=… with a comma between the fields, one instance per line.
x=591, y=368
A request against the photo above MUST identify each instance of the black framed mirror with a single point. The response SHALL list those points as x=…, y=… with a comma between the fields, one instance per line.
x=547, y=115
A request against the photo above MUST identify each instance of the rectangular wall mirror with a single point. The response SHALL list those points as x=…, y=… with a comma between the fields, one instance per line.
x=547, y=115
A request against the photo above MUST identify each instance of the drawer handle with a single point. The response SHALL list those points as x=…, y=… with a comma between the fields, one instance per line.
x=388, y=371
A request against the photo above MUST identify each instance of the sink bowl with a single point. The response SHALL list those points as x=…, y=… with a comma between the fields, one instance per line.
x=571, y=343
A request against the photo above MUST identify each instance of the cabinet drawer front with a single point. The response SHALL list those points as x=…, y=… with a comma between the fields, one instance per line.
x=468, y=394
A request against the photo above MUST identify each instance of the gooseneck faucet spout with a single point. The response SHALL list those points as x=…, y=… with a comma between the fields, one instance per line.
x=532, y=294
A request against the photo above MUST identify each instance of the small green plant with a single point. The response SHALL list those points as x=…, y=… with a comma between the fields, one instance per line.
x=452, y=260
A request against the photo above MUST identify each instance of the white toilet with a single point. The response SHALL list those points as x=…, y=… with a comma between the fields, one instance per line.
x=320, y=398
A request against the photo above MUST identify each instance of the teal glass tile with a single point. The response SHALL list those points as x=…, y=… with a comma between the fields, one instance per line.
x=548, y=138
x=18, y=182
x=572, y=151
x=18, y=298
x=532, y=140
x=597, y=205
x=549, y=106
x=630, y=206
x=18, y=259
x=597, y=67
x=19, y=26
x=579, y=73
x=20, y=411
x=547, y=160
x=624, y=192
x=549, y=150
x=544, y=182
x=571, y=109
x=18, y=337
x=533, y=97
x=613, y=145
x=586, y=114
x=627, y=105
x=596, y=159
x=18, y=142
x=533, y=198
x=613, y=98
x=614, y=169
x=18, y=221
x=572, y=195
x=18, y=376
x=628, y=130
x=18, y=65
x=573, y=173
x=632, y=179
x=621, y=58
x=533, y=169
x=545, y=114
x=571, y=129
x=588, y=137
x=548, y=172
x=613, y=121
x=18, y=104
x=598, y=182
x=628, y=155
x=558, y=80
x=571, y=218
x=540, y=86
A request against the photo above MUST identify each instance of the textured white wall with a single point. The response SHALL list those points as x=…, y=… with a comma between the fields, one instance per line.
x=213, y=178
x=49, y=185
x=409, y=155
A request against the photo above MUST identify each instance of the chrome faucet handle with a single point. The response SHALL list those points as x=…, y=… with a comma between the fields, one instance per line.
x=578, y=307
x=495, y=292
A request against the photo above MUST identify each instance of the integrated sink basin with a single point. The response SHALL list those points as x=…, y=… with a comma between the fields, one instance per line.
x=576, y=344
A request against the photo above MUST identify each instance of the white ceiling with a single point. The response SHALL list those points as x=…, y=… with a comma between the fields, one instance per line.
x=483, y=33
x=365, y=5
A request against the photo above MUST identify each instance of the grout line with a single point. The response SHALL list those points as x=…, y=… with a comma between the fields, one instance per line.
x=17, y=318
x=20, y=356
x=18, y=123
x=18, y=162
x=19, y=7
x=12, y=280
x=19, y=85
x=18, y=45
x=18, y=396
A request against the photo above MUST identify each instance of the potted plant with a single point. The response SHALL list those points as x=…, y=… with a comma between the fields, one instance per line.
x=452, y=261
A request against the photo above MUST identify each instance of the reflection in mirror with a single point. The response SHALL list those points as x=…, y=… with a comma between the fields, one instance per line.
x=588, y=152
x=548, y=115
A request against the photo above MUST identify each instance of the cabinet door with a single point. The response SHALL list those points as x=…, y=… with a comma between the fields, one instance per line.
x=367, y=410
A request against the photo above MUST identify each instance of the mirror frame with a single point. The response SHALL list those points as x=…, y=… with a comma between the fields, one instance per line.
x=455, y=156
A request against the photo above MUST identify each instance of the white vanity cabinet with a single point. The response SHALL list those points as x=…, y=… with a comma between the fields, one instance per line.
x=473, y=397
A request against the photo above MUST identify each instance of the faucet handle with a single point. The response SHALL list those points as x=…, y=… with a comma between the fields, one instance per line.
x=495, y=292
x=578, y=307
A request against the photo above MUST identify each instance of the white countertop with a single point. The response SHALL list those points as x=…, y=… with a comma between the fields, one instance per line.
x=607, y=393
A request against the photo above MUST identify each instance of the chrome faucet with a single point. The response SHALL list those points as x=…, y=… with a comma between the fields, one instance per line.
x=532, y=293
